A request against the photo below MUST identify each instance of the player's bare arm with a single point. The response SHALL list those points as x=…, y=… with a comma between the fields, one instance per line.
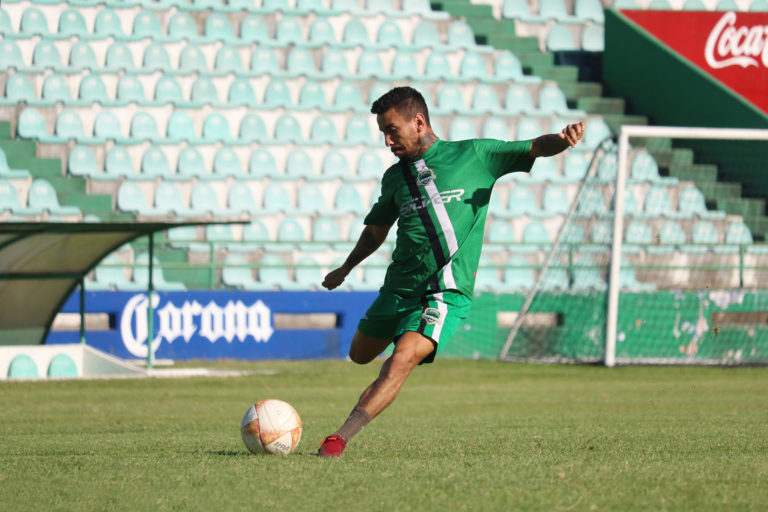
x=370, y=239
x=554, y=143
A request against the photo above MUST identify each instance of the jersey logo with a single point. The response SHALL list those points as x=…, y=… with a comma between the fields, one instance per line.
x=419, y=203
x=425, y=177
x=432, y=316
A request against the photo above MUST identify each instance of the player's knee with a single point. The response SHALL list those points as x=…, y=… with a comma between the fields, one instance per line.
x=359, y=357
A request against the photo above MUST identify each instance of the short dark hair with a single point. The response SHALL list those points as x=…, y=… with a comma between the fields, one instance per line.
x=406, y=100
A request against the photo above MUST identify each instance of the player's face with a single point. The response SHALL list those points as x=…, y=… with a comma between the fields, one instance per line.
x=401, y=136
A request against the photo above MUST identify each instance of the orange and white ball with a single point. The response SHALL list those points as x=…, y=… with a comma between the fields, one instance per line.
x=271, y=426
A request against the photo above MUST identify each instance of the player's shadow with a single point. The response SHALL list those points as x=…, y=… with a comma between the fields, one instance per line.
x=245, y=453
x=479, y=198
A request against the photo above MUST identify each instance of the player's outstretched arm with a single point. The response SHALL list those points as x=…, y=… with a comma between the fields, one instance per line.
x=554, y=143
x=370, y=239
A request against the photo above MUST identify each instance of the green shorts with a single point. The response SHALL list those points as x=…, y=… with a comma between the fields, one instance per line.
x=436, y=316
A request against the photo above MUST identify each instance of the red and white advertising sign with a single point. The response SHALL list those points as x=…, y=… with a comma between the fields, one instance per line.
x=730, y=46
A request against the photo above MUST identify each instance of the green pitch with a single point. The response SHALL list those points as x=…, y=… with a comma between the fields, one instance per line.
x=463, y=435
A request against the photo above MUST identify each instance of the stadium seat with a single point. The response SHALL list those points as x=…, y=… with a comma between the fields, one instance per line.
x=495, y=128
x=130, y=198
x=374, y=271
x=369, y=165
x=290, y=231
x=450, y=100
x=272, y=272
x=521, y=201
x=486, y=276
x=335, y=63
x=528, y=128
x=637, y=236
x=261, y=163
x=586, y=276
x=737, y=235
x=517, y=275
x=515, y=9
x=544, y=170
x=461, y=128
x=288, y=31
x=252, y=128
x=358, y=131
x=69, y=125
x=182, y=26
x=264, y=61
x=218, y=27
x=473, y=66
x=657, y=203
x=168, y=90
x=460, y=35
x=601, y=235
x=300, y=62
x=727, y=5
x=141, y=275
x=33, y=22
x=690, y=203
x=203, y=200
x=237, y=273
x=670, y=234
x=560, y=39
x=240, y=198
x=191, y=59
x=390, y=35
x=518, y=100
x=18, y=88
x=168, y=200
x=31, y=124
x=596, y=132
x=437, y=66
x=347, y=97
x=42, y=196
x=325, y=230
x=156, y=58
x=589, y=10
x=109, y=273
x=369, y=64
x=335, y=165
x=56, y=89
x=107, y=23
x=62, y=366
x=130, y=90
x=228, y=60
x=227, y=163
x=592, y=203
x=9, y=200
x=500, y=235
x=299, y=165
x=221, y=236
x=216, y=128
x=190, y=163
x=703, y=238
x=155, y=163
x=10, y=55
x=758, y=6
x=241, y=92
x=347, y=200
x=644, y=167
x=575, y=166
x=144, y=127
x=204, y=91
x=694, y=5
x=552, y=100
x=180, y=127
x=355, y=34
x=46, y=55
x=82, y=56
x=311, y=199
x=555, y=201
x=553, y=10
x=119, y=57
x=276, y=199
x=593, y=38
x=82, y=162
x=92, y=90
x=147, y=24
x=118, y=162
x=485, y=99
x=321, y=33
x=5, y=23
x=312, y=96
x=404, y=65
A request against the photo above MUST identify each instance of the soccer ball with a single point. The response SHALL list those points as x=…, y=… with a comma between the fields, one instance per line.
x=271, y=426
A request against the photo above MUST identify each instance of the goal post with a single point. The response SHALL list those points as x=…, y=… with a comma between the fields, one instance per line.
x=625, y=133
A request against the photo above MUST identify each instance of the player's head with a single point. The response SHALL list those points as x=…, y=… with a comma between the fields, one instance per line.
x=403, y=118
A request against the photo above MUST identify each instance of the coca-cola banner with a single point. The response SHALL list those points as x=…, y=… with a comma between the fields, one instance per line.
x=219, y=324
x=730, y=46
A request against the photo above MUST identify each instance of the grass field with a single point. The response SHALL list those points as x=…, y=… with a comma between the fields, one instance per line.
x=463, y=435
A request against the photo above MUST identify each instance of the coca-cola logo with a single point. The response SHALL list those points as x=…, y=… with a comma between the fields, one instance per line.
x=728, y=45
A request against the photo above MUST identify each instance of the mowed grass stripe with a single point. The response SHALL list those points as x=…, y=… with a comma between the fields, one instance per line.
x=463, y=435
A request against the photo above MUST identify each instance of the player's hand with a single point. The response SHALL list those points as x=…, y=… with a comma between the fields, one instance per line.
x=573, y=133
x=334, y=278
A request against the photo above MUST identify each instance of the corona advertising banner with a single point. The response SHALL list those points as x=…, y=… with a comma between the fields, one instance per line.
x=221, y=324
x=732, y=47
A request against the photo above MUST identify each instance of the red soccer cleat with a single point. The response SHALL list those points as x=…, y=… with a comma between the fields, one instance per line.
x=332, y=446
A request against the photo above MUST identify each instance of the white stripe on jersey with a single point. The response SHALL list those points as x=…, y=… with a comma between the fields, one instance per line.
x=442, y=307
x=445, y=225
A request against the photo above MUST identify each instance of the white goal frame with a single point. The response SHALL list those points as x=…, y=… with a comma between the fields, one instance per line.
x=625, y=132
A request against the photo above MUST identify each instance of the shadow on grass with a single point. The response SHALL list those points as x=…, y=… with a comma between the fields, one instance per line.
x=232, y=453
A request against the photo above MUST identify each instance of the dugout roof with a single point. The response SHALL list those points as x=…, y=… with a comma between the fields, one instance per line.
x=42, y=263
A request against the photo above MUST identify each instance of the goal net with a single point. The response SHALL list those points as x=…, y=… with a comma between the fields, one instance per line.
x=685, y=283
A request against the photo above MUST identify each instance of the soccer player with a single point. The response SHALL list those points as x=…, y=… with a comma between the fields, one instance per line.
x=438, y=193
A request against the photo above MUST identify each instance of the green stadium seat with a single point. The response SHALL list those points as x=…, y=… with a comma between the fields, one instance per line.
x=587, y=277
x=9, y=200
x=607, y=168
x=311, y=199
x=347, y=200
x=185, y=237
x=325, y=230
x=62, y=366
x=426, y=35
x=321, y=33
x=216, y=128
x=596, y=132
x=5, y=23
x=485, y=99
x=670, y=234
x=637, y=236
x=156, y=57
x=226, y=163
x=252, y=128
x=273, y=273
x=358, y=131
x=369, y=64
x=552, y=100
x=335, y=165
x=335, y=63
x=168, y=200
x=182, y=26
x=545, y=170
x=118, y=57
x=276, y=199
x=323, y=131
x=72, y=23
x=46, y=55
x=758, y=6
x=694, y=5
x=573, y=234
x=575, y=166
x=18, y=88
x=589, y=10
x=253, y=28
x=516, y=9
x=147, y=24
x=495, y=128
x=390, y=34
x=241, y=92
x=10, y=55
x=237, y=274
x=355, y=34
x=168, y=90
x=31, y=124
x=190, y=163
x=191, y=59
x=33, y=22
x=593, y=38
x=727, y=5
x=517, y=99
x=437, y=66
x=42, y=196
x=312, y=96
x=736, y=234
x=528, y=128
x=228, y=60
x=141, y=275
x=107, y=24
x=500, y=234
x=69, y=126
x=56, y=89
x=691, y=203
x=276, y=5
x=404, y=65
x=657, y=203
x=347, y=97
x=154, y=163
x=256, y=232
x=592, y=203
x=277, y=94
x=130, y=90
x=450, y=99
x=517, y=275
x=553, y=10
x=106, y=126
x=22, y=367
x=461, y=128
x=703, y=238
x=555, y=200
x=287, y=129
x=180, y=127
x=659, y=5
x=473, y=66
x=288, y=31
x=521, y=201
x=290, y=231
x=625, y=4
x=460, y=35
x=344, y=5
x=144, y=127
x=218, y=27
x=130, y=198
x=118, y=162
x=261, y=163
x=601, y=236
x=82, y=56
x=559, y=38
x=369, y=165
x=240, y=198
x=221, y=236
x=204, y=91
x=82, y=162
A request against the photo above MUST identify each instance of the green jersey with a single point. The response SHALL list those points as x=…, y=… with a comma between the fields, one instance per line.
x=440, y=202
